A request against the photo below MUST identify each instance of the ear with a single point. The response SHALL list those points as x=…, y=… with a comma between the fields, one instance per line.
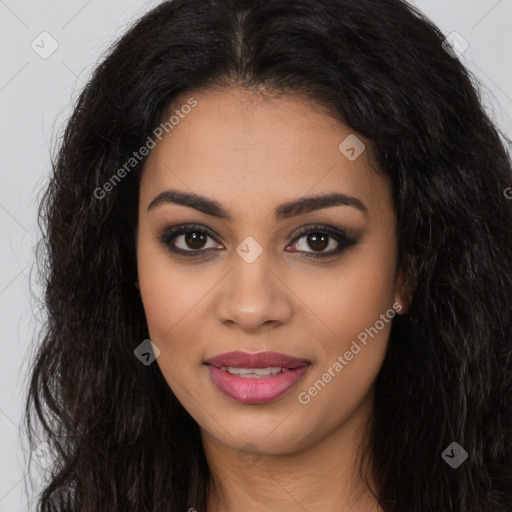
x=405, y=284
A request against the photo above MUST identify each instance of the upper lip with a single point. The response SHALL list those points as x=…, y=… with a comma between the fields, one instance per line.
x=240, y=359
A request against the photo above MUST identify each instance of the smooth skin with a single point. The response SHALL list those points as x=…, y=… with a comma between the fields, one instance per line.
x=251, y=153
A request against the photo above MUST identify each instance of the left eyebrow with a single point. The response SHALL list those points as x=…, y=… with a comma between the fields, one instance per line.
x=281, y=212
x=312, y=203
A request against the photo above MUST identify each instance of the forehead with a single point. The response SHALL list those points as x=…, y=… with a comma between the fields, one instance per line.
x=238, y=146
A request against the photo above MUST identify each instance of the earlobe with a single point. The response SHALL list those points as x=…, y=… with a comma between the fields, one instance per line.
x=404, y=286
x=397, y=306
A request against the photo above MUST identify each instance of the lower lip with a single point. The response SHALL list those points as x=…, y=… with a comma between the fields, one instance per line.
x=255, y=390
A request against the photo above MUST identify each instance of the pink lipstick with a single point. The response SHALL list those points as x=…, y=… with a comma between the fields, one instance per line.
x=258, y=377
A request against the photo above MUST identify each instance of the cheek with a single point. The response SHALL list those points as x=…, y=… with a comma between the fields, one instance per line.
x=357, y=308
x=355, y=295
x=169, y=299
x=352, y=354
x=166, y=291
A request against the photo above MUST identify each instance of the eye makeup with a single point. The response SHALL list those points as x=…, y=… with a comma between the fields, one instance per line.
x=318, y=235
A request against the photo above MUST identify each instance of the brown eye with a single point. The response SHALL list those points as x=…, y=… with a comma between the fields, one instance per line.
x=194, y=239
x=318, y=241
x=188, y=240
x=319, y=238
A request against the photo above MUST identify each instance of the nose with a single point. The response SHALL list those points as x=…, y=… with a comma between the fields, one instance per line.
x=255, y=297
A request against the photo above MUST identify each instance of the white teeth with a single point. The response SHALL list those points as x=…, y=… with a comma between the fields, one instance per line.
x=254, y=373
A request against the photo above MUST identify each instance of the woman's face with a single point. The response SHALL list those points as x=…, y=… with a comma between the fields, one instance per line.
x=261, y=285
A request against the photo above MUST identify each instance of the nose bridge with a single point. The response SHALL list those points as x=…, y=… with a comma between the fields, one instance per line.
x=254, y=295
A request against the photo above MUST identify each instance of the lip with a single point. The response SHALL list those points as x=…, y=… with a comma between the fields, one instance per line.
x=256, y=390
x=241, y=359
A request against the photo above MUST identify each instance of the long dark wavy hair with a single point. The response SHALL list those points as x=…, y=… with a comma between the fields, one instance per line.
x=121, y=440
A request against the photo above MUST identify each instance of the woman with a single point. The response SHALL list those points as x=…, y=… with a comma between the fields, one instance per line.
x=278, y=270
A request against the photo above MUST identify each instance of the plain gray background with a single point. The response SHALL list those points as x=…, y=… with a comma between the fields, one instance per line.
x=36, y=94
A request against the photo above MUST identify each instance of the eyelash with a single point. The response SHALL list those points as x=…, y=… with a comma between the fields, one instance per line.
x=341, y=237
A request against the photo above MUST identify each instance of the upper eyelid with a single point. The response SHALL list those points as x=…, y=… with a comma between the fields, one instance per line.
x=300, y=232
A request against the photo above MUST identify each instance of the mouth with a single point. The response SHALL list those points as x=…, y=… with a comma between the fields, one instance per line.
x=255, y=373
x=256, y=378
x=259, y=360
